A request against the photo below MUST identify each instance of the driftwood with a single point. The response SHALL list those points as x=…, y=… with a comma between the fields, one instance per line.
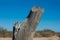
x=26, y=30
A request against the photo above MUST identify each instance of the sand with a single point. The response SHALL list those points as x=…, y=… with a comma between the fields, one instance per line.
x=5, y=38
x=42, y=38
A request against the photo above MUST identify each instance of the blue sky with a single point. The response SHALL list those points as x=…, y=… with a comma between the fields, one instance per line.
x=17, y=10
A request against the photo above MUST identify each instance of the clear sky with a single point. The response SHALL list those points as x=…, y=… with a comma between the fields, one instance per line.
x=17, y=10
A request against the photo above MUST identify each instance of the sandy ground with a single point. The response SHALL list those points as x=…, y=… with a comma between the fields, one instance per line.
x=43, y=38
x=5, y=38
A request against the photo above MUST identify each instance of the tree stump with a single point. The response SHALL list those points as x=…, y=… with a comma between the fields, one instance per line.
x=27, y=28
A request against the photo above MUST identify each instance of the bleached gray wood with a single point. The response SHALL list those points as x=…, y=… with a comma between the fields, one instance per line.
x=27, y=28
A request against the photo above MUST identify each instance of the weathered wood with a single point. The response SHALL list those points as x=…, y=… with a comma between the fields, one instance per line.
x=27, y=28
